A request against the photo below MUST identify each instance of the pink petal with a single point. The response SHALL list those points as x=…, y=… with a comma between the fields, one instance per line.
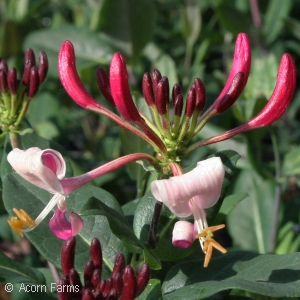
x=183, y=234
x=203, y=184
x=40, y=167
x=62, y=228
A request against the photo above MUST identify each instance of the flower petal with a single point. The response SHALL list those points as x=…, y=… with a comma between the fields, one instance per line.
x=42, y=168
x=62, y=228
x=203, y=184
x=183, y=234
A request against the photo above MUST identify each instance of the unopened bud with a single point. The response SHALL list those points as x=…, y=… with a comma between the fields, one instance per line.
x=190, y=102
x=75, y=279
x=43, y=66
x=34, y=82
x=87, y=294
x=156, y=78
x=117, y=283
x=88, y=273
x=235, y=89
x=28, y=63
x=3, y=82
x=104, y=85
x=178, y=105
x=96, y=278
x=129, y=288
x=64, y=294
x=148, y=89
x=108, y=286
x=142, y=279
x=176, y=91
x=96, y=253
x=119, y=264
x=162, y=96
x=3, y=65
x=112, y=295
x=68, y=255
x=12, y=80
x=200, y=94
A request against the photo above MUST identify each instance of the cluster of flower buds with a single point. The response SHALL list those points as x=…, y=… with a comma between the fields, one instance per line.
x=122, y=284
x=172, y=127
x=15, y=94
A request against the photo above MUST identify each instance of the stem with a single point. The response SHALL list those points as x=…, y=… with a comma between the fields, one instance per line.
x=277, y=192
x=73, y=183
x=154, y=224
x=14, y=139
x=255, y=13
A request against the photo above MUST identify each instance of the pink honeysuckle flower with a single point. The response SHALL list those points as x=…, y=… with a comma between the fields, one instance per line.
x=192, y=193
x=46, y=169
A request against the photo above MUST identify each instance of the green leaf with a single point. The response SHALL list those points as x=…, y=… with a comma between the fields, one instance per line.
x=152, y=291
x=20, y=194
x=132, y=26
x=276, y=12
x=119, y=226
x=12, y=271
x=228, y=204
x=291, y=162
x=249, y=222
x=268, y=275
x=90, y=47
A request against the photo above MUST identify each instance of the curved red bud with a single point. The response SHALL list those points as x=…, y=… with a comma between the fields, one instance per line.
x=200, y=94
x=274, y=109
x=70, y=79
x=120, y=89
x=178, y=105
x=104, y=85
x=29, y=61
x=68, y=255
x=142, y=278
x=156, y=77
x=12, y=80
x=129, y=288
x=34, y=82
x=162, y=95
x=241, y=62
x=235, y=89
x=148, y=89
x=190, y=102
x=43, y=66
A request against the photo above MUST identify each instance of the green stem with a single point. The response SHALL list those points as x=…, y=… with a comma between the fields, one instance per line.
x=14, y=139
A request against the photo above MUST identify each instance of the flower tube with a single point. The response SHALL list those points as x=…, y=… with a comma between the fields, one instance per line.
x=192, y=193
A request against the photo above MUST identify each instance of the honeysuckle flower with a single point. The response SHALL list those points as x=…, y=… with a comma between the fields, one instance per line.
x=192, y=193
x=46, y=169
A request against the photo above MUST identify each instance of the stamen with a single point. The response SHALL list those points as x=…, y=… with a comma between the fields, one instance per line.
x=208, y=255
x=216, y=245
x=209, y=230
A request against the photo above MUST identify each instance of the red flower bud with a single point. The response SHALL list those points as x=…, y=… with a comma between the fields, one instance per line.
x=87, y=294
x=148, y=89
x=156, y=78
x=175, y=91
x=68, y=255
x=104, y=85
x=88, y=273
x=75, y=279
x=43, y=66
x=96, y=253
x=3, y=65
x=178, y=105
x=12, y=80
x=70, y=79
x=120, y=89
x=29, y=62
x=200, y=94
x=3, y=82
x=241, y=62
x=34, y=82
x=129, y=289
x=142, y=278
x=119, y=265
x=190, y=102
x=162, y=96
x=235, y=89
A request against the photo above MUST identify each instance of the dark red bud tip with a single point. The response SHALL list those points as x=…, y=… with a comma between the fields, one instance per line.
x=34, y=82
x=112, y=295
x=12, y=80
x=96, y=253
x=28, y=64
x=119, y=265
x=3, y=66
x=87, y=294
x=190, y=102
x=70, y=79
x=43, y=66
x=120, y=89
x=176, y=91
x=142, y=279
x=234, y=91
x=104, y=85
x=156, y=78
x=68, y=255
x=178, y=105
x=200, y=94
x=108, y=286
x=129, y=289
x=88, y=272
x=148, y=89
x=98, y=296
x=75, y=279
x=162, y=95
x=3, y=82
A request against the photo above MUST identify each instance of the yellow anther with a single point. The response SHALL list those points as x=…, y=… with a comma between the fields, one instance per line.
x=209, y=230
x=24, y=221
